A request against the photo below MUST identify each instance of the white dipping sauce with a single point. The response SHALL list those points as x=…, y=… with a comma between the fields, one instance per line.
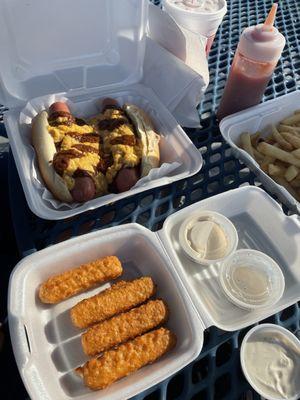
x=273, y=363
x=205, y=5
x=208, y=239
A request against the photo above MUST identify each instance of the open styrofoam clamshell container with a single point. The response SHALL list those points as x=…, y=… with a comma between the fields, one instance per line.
x=94, y=49
x=261, y=118
x=46, y=346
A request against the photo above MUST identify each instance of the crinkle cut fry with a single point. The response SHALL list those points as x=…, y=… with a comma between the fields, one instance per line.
x=76, y=280
x=123, y=327
x=98, y=373
x=115, y=300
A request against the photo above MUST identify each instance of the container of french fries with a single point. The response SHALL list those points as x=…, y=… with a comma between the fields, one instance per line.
x=267, y=139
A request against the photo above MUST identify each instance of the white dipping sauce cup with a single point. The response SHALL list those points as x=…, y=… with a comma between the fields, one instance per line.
x=224, y=223
x=261, y=263
x=266, y=329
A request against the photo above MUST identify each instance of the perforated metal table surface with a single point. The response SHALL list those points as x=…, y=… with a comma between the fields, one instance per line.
x=216, y=374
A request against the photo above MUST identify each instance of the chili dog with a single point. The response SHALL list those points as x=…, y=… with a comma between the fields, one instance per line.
x=81, y=160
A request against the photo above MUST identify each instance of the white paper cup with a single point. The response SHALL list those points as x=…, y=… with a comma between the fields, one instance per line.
x=201, y=23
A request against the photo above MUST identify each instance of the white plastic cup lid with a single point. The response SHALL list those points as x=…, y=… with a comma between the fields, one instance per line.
x=251, y=279
x=208, y=237
x=202, y=23
x=265, y=333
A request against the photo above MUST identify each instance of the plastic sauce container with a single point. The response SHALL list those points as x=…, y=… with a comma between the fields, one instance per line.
x=257, y=54
x=202, y=17
x=251, y=279
x=208, y=237
x=270, y=359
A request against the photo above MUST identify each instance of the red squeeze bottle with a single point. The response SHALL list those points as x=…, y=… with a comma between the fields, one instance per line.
x=257, y=54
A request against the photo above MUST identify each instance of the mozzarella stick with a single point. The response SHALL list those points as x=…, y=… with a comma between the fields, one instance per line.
x=112, y=301
x=77, y=280
x=123, y=327
x=98, y=373
x=282, y=155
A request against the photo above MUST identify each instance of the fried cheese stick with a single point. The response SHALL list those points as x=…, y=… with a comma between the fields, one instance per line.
x=123, y=327
x=77, y=280
x=115, y=364
x=115, y=300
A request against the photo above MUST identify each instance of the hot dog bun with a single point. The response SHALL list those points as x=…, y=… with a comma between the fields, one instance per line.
x=45, y=150
x=149, y=138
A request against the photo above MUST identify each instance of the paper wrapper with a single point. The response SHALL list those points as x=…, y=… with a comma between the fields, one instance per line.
x=86, y=109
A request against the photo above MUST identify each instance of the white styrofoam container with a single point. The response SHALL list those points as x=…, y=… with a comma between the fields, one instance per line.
x=260, y=118
x=47, y=361
x=47, y=357
x=89, y=49
x=261, y=225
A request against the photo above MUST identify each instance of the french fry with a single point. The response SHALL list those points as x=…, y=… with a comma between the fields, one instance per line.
x=254, y=138
x=269, y=139
x=278, y=153
x=266, y=162
x=281, y=181
x=280, y=139
x=275, y=170
x=291, y=173
x=292, y=139
x=295, y=183
x=291, y=120
x=290, y=129
x=258, y=156
x=272, y=151
x=296, y=153
x=246, y=143
x=281, y=164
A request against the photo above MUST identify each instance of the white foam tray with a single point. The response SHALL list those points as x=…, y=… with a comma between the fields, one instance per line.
x=46, y=361
x=261, y=225
x=260, y=118
x=175, y=146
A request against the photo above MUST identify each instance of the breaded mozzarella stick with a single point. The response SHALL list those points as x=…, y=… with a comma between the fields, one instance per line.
x=77, y=280
x=98, y=373
x=123, y=327
x=115, y=300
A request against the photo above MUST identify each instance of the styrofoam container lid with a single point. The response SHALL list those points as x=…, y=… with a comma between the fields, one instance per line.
x=251, y=279
x=265, y=333
x=206, y=233
x=69, y=46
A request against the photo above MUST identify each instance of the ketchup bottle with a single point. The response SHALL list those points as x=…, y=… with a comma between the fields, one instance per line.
x=257, y=54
